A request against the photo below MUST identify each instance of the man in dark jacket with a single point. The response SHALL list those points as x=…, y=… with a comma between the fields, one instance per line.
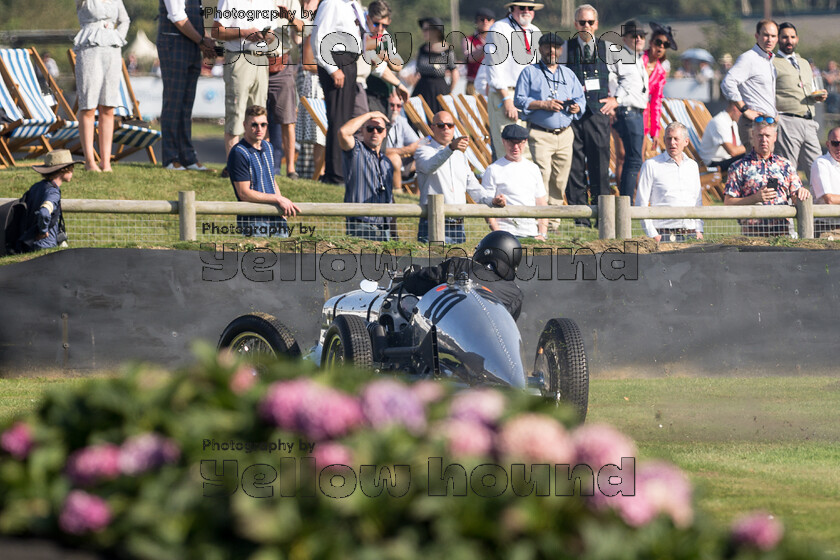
x=493, y=266
x=43, y=202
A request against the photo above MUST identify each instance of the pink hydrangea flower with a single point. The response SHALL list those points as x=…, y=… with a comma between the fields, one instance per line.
x=331, y=453
x=536, y=438
x=17, y=441
x=243, y=379
x=145, y=452
x=465, y=438
x=597, y=445
x=312, y=409
x=478, y=405
x=94, y=463
x=84, y=513
x=428, y=391
x=758, y=529
x=388, y=402
x=661, y=488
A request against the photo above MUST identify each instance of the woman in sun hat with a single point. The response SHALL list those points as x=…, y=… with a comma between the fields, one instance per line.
x=43, y=226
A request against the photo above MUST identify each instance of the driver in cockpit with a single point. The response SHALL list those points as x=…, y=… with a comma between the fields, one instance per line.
x=493, y=266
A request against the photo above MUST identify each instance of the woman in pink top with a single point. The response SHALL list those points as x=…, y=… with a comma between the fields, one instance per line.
x=657, y=67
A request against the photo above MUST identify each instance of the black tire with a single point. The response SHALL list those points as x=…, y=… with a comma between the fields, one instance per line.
x=347, y=342
x=562, y=359
x=259, y=335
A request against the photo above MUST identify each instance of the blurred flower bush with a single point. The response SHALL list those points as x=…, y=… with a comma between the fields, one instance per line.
x=197, y=464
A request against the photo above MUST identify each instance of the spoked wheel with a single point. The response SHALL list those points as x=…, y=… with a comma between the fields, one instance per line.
x=259, y=336
x=561, y=358
x=347, y=342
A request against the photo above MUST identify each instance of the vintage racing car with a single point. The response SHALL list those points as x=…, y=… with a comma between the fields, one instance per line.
x=459, y=330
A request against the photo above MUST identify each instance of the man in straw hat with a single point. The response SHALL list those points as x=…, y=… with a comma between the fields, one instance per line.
x=515, y=39
x=43, y=226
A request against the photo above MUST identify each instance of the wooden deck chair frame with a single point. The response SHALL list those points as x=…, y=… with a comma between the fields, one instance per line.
x=134, y=110
x=480, y=117
x=319, y=165
x=32, y=146
x=416, y=119
x=477, y=128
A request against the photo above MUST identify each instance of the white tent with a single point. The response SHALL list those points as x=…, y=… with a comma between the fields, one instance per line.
x=142, y=48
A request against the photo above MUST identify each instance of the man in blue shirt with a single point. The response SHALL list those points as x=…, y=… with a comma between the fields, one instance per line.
x=43, y=226
x=368, y=174
x=550, y=97
x=251, y=167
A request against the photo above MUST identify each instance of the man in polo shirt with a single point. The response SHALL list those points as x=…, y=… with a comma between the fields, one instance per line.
x=550, y=98
x=795, y=99
x=631, y=94
x=825, y=178
x=442, y=168
x=671, y=179
x=587, y=58
x=513, y=39
x=763, y=177
x=751, y=82
x=517, y=182
x=721, y=145
x=368, y=174
x=251, y=167
x=246, y=66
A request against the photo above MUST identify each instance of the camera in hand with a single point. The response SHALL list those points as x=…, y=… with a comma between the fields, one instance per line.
x=773, y=183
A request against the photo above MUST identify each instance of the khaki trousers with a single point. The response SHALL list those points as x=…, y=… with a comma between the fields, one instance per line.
x=553, y=155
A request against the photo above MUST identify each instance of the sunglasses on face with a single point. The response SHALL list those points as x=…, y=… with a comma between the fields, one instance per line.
x=637, y=35
x=379, y=24
x=526, y=8
x=375, y=128
x=259, y=125
x=396, y=105
x=585, y=22
x=483, y=19
x=834, y=143
x=442, y=125
x=765, y=119
x=661, y=43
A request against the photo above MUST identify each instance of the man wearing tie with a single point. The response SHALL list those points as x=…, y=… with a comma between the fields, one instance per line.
x=795, y=98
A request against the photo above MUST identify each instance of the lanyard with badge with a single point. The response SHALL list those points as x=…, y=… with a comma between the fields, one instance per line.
x=552, y=81
x=592, y=83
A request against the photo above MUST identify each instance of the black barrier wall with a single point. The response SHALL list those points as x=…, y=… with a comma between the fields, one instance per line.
x=720, y=311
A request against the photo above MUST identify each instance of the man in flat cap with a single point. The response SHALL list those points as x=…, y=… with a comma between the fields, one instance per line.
x=43, y=226
x=514, y=39
x=516, y=181
x=551, y=98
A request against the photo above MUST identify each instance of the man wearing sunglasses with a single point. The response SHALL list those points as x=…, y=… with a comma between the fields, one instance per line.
x=442, y=168
x=825, y=178
x=251, y=167
x=751, y=82
x=368, y=174
x=795, y=98
x=514, y=40
x=763, y=177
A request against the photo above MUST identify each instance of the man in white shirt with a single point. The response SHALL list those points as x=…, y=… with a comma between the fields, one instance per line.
x=442, y=168
x=721, y=145
x=515, y=39
x=181, y=43
x=751, y=82
x=631, y=94
x=337, y=22
x=246, y=64
x=825, y=178
x=671, y=179
x=518, y=182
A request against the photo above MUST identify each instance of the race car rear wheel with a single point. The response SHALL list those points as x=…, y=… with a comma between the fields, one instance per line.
x=562, y=359
x=347, y=342
x=259, y=335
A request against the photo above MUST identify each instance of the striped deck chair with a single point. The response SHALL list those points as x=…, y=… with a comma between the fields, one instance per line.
x=417, y=115
x=710, y=179
x=466, y=128
x=129, y=137
x=698, y=112
x=317, y=109
x=35, y=128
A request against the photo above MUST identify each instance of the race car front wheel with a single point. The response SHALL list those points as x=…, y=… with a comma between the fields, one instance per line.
x=561, y=358
x=259, y=335
x=347, y=342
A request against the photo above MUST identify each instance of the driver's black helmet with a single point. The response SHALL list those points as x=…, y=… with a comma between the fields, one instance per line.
x=502, y=251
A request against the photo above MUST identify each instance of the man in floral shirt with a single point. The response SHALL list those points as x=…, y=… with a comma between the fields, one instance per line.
x=763, y=177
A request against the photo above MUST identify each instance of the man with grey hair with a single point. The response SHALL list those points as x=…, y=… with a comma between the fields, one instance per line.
x=671, y=179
